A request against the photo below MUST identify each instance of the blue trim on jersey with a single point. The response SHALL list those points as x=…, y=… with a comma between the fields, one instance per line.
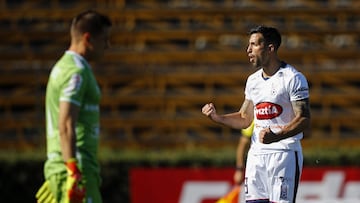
x=282, y=65
x=297, y=175
x=258, y=201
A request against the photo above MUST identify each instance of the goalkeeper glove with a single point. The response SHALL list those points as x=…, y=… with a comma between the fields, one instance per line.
x=44, y=194
x=75, y=192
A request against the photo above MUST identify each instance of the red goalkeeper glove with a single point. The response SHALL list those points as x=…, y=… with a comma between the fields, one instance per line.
x=75, y=192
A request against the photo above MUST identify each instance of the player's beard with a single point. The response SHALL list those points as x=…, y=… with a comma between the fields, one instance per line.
x=257, y=62
x=261, y=61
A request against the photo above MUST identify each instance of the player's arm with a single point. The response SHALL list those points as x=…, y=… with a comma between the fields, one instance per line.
x=238, y=120
x=302, y=118
x=75, y=191
x=241, y=151
x=300, y=123
x=67, y=120
x=242, y=148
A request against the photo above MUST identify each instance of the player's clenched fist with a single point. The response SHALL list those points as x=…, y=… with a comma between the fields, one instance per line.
x=267, y=136
x=208, y=109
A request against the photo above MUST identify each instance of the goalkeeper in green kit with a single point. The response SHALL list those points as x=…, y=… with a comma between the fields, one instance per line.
x=72, y=173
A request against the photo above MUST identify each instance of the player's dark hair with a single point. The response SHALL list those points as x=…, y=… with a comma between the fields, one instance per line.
x=271, y=35
x=90, y=21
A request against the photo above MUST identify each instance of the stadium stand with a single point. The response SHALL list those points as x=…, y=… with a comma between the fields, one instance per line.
x=170, y=57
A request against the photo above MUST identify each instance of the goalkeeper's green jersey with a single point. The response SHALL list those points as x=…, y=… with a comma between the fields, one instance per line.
x=72, y=80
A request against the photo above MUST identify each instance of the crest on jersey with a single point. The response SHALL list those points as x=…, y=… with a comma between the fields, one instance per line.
x=273, y=89
x=267, y=110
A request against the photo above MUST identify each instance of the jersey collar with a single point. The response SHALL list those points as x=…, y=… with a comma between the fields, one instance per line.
x=282, y=65
x=81, y=58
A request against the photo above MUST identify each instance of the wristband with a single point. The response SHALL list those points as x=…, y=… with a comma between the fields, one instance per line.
x=239, y=168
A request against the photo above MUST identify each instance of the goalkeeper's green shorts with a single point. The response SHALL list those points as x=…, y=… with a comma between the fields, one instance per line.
x=55, y=185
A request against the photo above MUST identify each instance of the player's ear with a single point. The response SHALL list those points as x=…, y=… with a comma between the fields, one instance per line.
x=271, y=48
x=86, y=37
x=87, y=40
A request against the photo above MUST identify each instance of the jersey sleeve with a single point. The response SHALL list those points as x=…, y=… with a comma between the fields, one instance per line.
x=248, y=131
x=298, y=87
x=247, y=90
x=73, y=88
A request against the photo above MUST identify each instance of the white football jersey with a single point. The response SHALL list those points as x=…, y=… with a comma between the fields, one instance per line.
x=272, y=99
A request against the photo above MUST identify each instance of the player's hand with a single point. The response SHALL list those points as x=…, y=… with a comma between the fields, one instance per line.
x=208, y=109
x=266, y=136
x=75, y=192
x=239, y=177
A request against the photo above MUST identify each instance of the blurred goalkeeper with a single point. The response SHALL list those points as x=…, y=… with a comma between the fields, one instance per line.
x=72, y=116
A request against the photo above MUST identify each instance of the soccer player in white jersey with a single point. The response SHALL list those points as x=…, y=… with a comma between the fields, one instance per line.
x=71, y=170
x=277, y=99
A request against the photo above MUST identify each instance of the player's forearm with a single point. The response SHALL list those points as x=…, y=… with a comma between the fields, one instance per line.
x=298, y=125
x=233, y=120
x=67, y=122
x=67, y=141
x=242, y=148
x=301, y=121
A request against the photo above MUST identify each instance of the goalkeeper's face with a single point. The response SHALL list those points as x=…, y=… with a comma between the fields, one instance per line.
x=97, y=44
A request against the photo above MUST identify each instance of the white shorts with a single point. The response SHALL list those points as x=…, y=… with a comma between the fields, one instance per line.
x=272, y=177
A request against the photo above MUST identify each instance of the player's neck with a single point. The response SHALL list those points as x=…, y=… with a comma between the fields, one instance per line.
x=271, y=69
x=78, y=48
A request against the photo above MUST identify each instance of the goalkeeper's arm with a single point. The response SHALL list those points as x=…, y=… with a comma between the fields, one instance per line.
x=68, y=115
x=75, y=191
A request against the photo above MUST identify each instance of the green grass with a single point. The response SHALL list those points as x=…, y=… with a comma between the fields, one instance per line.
x=339, y=156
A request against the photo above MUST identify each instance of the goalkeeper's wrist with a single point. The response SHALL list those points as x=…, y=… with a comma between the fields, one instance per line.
x=239, y=168
x=71, y=166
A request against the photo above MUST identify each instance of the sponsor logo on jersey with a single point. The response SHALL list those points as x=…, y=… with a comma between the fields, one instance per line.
x=302, y=89
x=267, y=110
